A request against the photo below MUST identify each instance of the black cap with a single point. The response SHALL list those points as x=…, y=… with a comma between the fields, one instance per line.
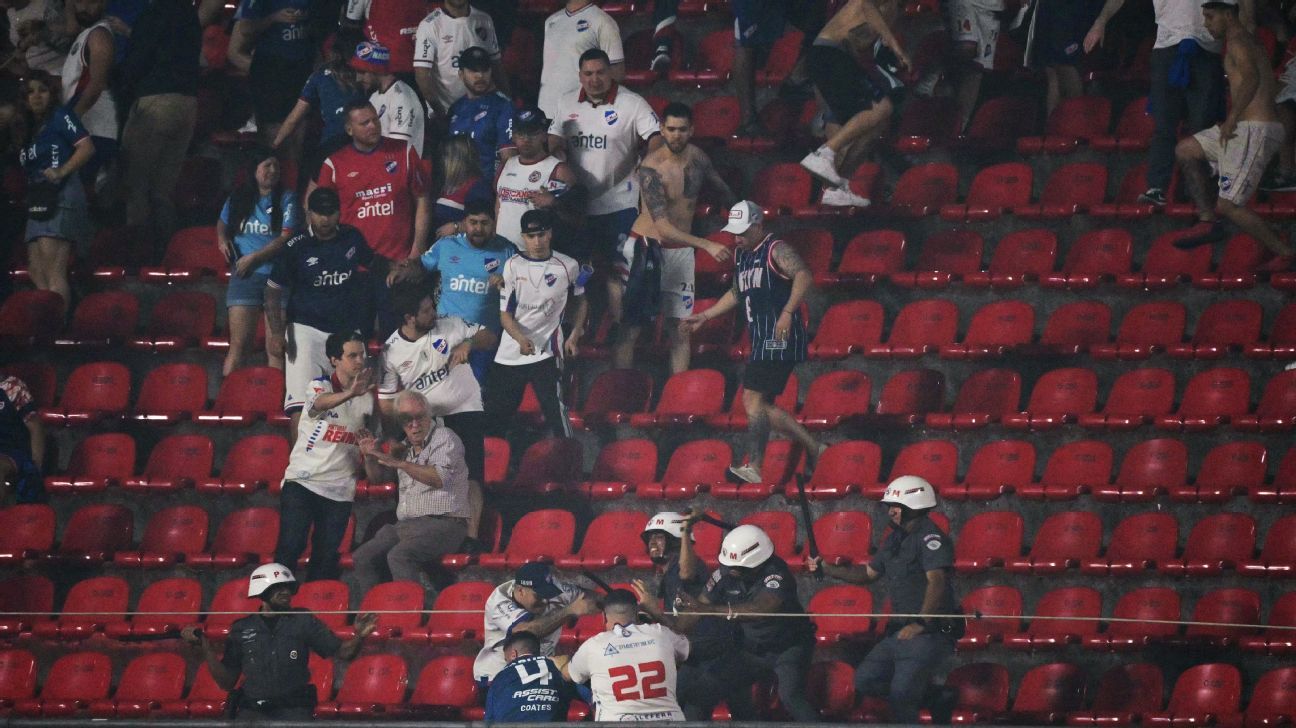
x=530, y=120
x=536, y=576
x=324, y=201
x=476, y=58
x=537, y=221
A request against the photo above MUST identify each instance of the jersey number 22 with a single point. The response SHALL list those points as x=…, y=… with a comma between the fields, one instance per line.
x=635, y=683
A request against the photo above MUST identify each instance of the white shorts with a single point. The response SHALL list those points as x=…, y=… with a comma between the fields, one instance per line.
x=677, y=282
x=310, y=363
x=1287, y=80
x=1242, y=160
x=971, y=23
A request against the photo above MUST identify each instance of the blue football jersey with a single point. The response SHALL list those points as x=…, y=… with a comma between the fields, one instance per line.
x=529, y=689
x=465, y=277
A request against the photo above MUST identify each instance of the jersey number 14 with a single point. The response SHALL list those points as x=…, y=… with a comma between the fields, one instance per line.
x=647, y=680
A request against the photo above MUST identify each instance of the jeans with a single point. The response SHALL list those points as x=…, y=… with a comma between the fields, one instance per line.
x=901, y=671
x=789, y=668
x=1199, y=106
x=299, y=510
x=153, y=148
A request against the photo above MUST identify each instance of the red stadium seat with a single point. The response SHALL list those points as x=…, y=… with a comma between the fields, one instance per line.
x=1225, y=610
x=1224, y=327
x=344, y=547
x=847, y=328
x=1096, y=257
x=393, y=596
x=782, y=58
x=1278, y=639
x=191, y=254
x=1020, y=257
x=1060, y=397
x=995, y=329
x=999, y=467
x=840, y=599
x=1134, y=130
x=548, y=466
x=98, y=462
x=89, y=607
x=687, y=399
x=1281, y=343
x=1146, y=615
x=247, y=536
x=17, y=677
x=621, y=466
x=1074, y=121
x=639, y=50
x=1082, y=603
x=994, y=611
x=908, y=397
x=73, y=682
x=197, y=194
x=1064, y=541
x=1150, y=468
x=179, y=320
x=165, y=607
x=924, y=190
x=815, y=245
x=1075, y=328
x=253, y=462
x=1166, y=266
x=29, y=315
x=93, y=392
x=1047, y=693
x=614, y=396
x=446, y=689
x=1283, y=487
x=868, y=258
x=850, y=466
x=206, y=699
x=782, y=189
x=921, y=327
x=996, y=191
x=325, y=597
x=717, y=119
x=988, y=540
x=1071, y=190
x=373, y=684
x=999, y=123
x=456, y=614
x=844, y=537
x=779, y=464
x=1276, y=411
x=28, y=599
x=1210, y=693
x=982, y=692
x=1073, y=469
x=735, y=420
x=835, y=398
x=1138, y=543
x=610, y=540
x=1147, y=329
x=1233, y=468
x=26, y=531
x=39, y=378
x=983, y=399
x=1123, y=695
x=94, y=534
x=1136, y=398
x=923, y=124
x=247, y=395
x=1218, y=542
x=711, y=63
x=945, y=257
x=1238, y=262
x=177, y=461
x=1126, y=204
x=1212, y=398
x=171, y=393
x=936, y=461
x=1272, y=699
x=830, y=687
x=1278, y=557
x=171, y=536
x=542, y=535
x=694, y=467
x=102, y=319
x=231, y=601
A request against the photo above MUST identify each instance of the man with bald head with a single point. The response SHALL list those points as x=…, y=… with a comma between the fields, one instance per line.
x=432, y=500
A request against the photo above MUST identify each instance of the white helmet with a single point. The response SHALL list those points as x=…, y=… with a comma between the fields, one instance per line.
x=266, y=576
x=747, y=546
x=910, y=491
x=669, y=523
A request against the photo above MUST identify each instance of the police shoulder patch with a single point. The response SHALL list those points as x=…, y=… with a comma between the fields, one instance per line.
x=773, y=581
x=933, y=541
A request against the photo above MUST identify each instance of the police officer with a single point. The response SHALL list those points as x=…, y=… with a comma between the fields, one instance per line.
x=271, y=650
x=750, y=583
x=668, y=538
x=530, y=688
x=914, y=561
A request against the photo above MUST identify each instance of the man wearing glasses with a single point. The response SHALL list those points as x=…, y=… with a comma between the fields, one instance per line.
x=432, y=498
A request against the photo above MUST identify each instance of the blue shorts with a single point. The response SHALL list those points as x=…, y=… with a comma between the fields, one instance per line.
x=604, y=235
x=248, y=291
x=758, y=23
x=29, y=486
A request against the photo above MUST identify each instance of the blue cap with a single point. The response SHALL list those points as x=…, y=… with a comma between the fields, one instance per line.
x=537, y=576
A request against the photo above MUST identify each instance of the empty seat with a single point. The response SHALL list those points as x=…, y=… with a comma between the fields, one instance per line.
x=1273, y=698
x=982, y=691
x=1149, y=469
x=1278, y=557
x=835, y=398
x=997, y=190
x=1224, y=327
x=191, y=254
x=867, y=258
x=1134, y=130
x=988, y=540
x=179, y=320
x=921, y=327
x=995, y=329
x=246, y=536
x=1063, y=541
x=1138, y=543
x=841, y=599
x=73, y=682
x=178, y=461
x=997, y=468
x=446, y=689
x=1281, y=343
x=206, y=699
x=1095, y=257
x=611, y=539
x=620, y=467
x=1216, y=543
x=98, y=462
x=164, y=608
x=171, y=536
x=936, y=461
x=782, y=189
x=1060, y=397
x=27, y=600
x=1047, y=693
x=1276, y=411
x=1147, y=329
x=1137, y=398
x=1212, y=398
x=847, y=328
x=542, y=535
x=850, y=466
x=998, y=123
x=26, y=531
x=780, y=462
x=230, y=601
x=983, y=399
x=252, y=463
x=28, y=315
x=94, y=534
x=1126, y=205
x=1073, y=122
x=1167, y=266
x=1124, y=694
x=922, y=125
x=924, y=190
x=1073, y=469
x=1075, y=328
x=1146, y=616
x=614, y=396
x=93, y=392
x=1057, y=631
x=1205, y=693
x=711, y=62
x=1221, y=614
x=247, y=395
x=17, y=677
x=1071, y=190
x=995, y=611
x=90, y=605
x=945, y=257
x=101, y=319
x=844, y=537
x=326, y=598
x=687, y=398
x=1020, y=257
x=1233, y=468
x=1283, y=487
x=456, y=613
x=908, y=397
x=1279, y=638
x=372, y=684
x=694, y=467
x=170, y=393
x=548, y=466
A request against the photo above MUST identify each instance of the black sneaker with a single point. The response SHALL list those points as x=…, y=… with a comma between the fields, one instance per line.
x=1154, y=196
x=471, y=545
x=1203, y=233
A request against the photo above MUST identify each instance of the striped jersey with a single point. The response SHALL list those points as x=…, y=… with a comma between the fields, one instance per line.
x=763, y=292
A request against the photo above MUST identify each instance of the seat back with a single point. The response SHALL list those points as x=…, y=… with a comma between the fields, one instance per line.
x=1081, y=602
x=1084, y=463
x=466, y=599
x=614, y=533
x=782, y=187
x=1131, y=688
x=1100, y=252
x=717, y=117
x=169, y=602
x=850, y=323
x=1083, y=323
x=98, y=529
x=154, y=677
x=848, y=461
x=1225, y=607
x=31, y=313
x=1218, y=392
x=936, y=461
x=697, y=391
x=1000, y=463
x=28, y=593
x=183, y=314
x=874, y=251
x=815, y=245
x=1240, y=465
x=1070, y=391
x=98, y=387
x=1229, y=323
x=982, y=687
x=259, y=458
x=914, y=391
x=1164, y=259
x=551, y=460
x=181, y=458
x=844, y=534
x=1001, y=323
x=1151, y=464
x=1151, y=536
x=1160, y=323
x=926, y=187
x=1002, y=185
x=1080, y=184
x=1080, y=117
x=195, y=248
x=1211, y=689
x=26, y=527
x=993, y=534
x=842, y=393
x=251, y=391
x=991, y=391
x=1145, y=392
x=405, y=597
x=176, y=530
x=1058, y=687
x=248, y=531
x=1274, y=694
x=81, y=676
x=324, y=597
x=699, y=461
x=446, y=681
x=105, y=315
x=932, y=322
x=1222, y=537
x=619, y=390
x=841, y=599
x=232, y=601
x=544, y=533
x=830, y=686
x=780, y=526
x=629, y=461
x=173, y=388
x=1001, y=121
x=1148, y=608
x=995, y=610
x=1280, y=541
x=96, y=600
x=106, y=455
x=1025, y=252
x=17, y=675
x=1071, y=535
x=374, y=679
x=1279, y=397
x=951, y=251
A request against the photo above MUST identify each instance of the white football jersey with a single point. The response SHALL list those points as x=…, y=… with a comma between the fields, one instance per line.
x=502, y=614
x=631, y=671
x=603, y=144
x=513, y=189
x=401, y=114
x=424, y=366
x=566, y=37
x=536, y=293
x=101, y=118
x=326, y=458
x=439, y=41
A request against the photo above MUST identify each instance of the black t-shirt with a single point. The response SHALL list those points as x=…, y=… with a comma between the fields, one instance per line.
x=903, y=560
x=273, y=654
x=325, y=290
x=711, y=636
x=764, y=634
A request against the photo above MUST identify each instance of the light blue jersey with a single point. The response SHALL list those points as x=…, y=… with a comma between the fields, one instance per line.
x=255, y=233
x=465, y=275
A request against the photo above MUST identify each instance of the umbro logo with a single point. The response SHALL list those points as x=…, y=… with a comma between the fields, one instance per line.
x=312, y=260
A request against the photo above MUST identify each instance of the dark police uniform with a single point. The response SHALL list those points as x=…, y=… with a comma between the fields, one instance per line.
x=529, y=689
x=273, y=654
x=710, y=641
x=902, y=669
x=763, y=292
x=783, y=646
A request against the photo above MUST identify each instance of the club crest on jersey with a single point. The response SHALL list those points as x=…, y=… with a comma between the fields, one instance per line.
x=480, y=115
x=350, y=252
x=534, y=177
x=551, y=279
x=390, y=166
x=610, y=650
x=582, y=26
x=382, y=110
x=610, y=116
x=492, y=264
x=440, y=345
x=454, y=259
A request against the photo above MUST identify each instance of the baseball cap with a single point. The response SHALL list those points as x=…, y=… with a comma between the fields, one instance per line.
x=537, y=576
x=537, y=221
x=372, y=57
x=742, y=216
x=476, y=58
x=530, y=120
x=324, y=201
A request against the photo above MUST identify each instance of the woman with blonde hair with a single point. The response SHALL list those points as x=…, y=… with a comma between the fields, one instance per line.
x=463, y=182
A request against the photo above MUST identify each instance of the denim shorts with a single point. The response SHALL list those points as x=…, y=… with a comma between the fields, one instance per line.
x=248, y=291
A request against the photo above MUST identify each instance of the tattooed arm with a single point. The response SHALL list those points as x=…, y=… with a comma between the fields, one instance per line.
x=652, y=190
x=789, y=264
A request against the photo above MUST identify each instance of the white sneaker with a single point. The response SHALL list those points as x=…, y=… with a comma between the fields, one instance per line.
x=746, y=473
x=250, y=127
x=821, y=166
x=843, y=197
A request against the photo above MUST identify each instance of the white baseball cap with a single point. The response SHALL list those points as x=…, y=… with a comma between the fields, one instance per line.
x=742, y=216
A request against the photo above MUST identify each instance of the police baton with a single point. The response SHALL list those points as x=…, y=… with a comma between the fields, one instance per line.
x=811, y=542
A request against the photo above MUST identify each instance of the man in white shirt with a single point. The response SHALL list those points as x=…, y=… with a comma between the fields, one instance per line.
x=630, y=667
x=577, y=27
x=400, y=113
x=320, y=482
x=534, y=179
x=445, y=33
x=540, y=287
x=534, y=601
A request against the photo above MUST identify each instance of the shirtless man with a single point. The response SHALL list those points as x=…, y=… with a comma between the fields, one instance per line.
x=670, y=179
x=858, y=95
x=1240, y=146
